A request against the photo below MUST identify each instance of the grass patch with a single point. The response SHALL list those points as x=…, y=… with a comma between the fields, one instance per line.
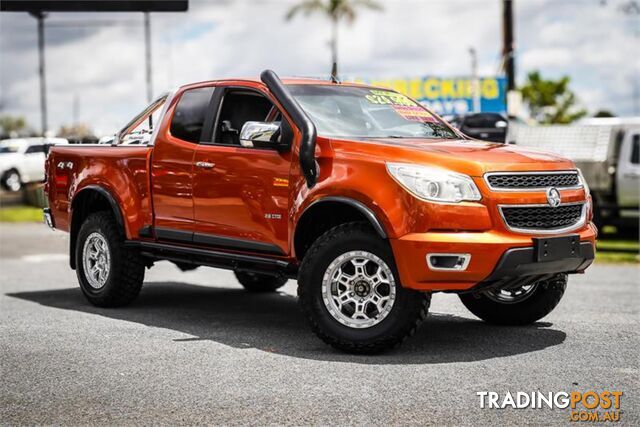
x=619, y=245
x=20, y=214
x=612, y=248
x=617, y=257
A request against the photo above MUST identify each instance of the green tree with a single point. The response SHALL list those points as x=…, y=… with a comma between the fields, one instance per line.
x=336, y=11
x=550, y=101
x=78, y=130
x=11, y=126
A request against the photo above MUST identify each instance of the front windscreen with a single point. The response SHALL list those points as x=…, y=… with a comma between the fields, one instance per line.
x=361, y=112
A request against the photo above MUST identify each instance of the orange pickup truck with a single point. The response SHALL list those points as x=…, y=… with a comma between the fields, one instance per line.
x=368, y=199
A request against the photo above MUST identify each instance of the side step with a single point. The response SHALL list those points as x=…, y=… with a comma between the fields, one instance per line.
x=212, y=258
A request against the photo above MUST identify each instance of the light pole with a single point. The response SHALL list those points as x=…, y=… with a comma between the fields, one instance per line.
x=508, y=44
x=40, y=16
x=147, y=51
x=475, y=82
x=39, y=10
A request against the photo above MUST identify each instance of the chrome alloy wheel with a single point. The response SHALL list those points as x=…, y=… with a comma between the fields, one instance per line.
x=358, y=289
x=511, y=296
x=96, y=260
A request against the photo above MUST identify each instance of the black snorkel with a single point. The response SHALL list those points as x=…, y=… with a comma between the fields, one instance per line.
x=307, y=128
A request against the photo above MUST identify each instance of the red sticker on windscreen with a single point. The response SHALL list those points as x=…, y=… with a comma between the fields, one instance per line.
x=414, y=113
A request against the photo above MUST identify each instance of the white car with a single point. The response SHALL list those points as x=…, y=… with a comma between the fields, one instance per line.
x=22, y=160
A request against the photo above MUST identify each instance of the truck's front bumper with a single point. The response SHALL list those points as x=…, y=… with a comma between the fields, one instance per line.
x=494, y=256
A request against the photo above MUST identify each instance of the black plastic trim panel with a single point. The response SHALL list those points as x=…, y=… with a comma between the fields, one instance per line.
x=213, y=240
x=146, y=231
x=231, y=243
x=368, y=213
x=213, y=258
x=174, y=235
x=519, y=263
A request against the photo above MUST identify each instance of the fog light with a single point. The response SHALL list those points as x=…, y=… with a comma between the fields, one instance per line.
x=448, y=262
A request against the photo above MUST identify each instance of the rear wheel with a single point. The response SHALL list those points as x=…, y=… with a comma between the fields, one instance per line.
x=351, y=295
x=256, y=282
x=11, y=180
x=110, y=274
x=517, y=306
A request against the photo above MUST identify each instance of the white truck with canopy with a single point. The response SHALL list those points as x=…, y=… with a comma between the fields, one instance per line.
x=607, y=150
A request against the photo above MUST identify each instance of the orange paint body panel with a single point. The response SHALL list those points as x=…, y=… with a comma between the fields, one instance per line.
x=123, y=172
x=485, y=249
x=259, y=196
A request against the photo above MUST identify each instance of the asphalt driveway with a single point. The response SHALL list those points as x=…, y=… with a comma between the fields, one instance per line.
x=195, y=348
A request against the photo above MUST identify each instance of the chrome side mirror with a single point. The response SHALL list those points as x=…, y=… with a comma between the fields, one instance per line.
x=259, y=132
x=264, y=135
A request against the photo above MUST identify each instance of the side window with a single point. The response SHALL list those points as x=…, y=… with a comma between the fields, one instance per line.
x=35, y=149
x=239, y=107
x=190, y=114
x=635, y=149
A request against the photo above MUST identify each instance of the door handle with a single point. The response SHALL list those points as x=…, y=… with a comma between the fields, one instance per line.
x=205, y=165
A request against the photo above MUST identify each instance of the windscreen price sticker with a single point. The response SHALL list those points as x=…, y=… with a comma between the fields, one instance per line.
x=384, y=97
x=414, y=113
x=402, y=105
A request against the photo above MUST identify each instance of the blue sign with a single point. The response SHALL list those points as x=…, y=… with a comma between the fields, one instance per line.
x=450, y=95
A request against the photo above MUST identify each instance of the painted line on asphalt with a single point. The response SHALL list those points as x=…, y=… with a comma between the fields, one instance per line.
x=36, y=258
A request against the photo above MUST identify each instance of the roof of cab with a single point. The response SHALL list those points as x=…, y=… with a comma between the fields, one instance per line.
x=285, y=80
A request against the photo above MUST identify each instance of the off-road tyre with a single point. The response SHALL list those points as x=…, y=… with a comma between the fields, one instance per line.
x=126, y=267
x=256, y=282
x=541, y=302
x=408, y=311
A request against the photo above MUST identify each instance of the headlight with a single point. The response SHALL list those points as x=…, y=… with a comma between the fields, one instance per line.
x=436, y=185
x=584, y=183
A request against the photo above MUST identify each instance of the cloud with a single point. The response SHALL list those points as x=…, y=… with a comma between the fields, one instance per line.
x=104, y=66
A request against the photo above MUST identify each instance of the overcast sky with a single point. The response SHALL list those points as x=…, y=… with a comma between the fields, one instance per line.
x=592, y=41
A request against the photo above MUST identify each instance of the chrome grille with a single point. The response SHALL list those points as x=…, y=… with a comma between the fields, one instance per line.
x=532, y=181
x=541, y=218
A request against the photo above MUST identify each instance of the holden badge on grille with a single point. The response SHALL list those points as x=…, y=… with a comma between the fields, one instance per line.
x=553, y=197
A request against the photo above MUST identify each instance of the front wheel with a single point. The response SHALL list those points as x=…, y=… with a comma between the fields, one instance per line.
x=517, y=306
x=351, y=294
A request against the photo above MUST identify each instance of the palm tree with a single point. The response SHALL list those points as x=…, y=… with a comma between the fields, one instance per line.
x=336, y=11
